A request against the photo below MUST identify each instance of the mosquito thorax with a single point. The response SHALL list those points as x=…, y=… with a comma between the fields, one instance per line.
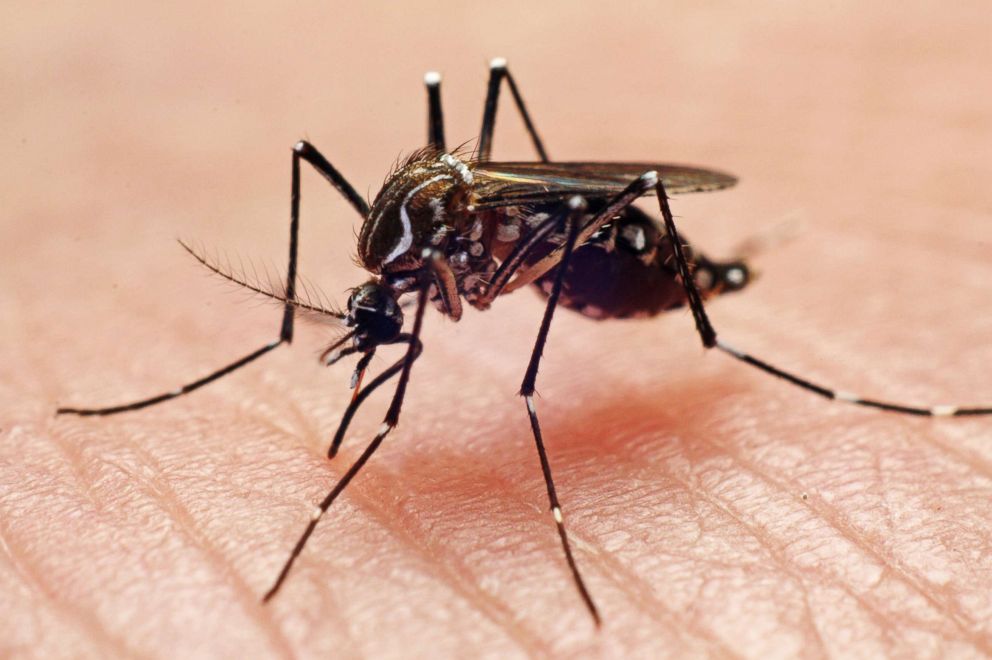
x=418, y=206
x=374, y=313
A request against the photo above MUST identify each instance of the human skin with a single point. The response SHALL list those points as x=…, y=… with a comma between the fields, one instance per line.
x=715, y=511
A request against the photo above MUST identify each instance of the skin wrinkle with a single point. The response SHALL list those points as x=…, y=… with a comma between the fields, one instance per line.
x=961, y=455
x=619, y=575
x=82, y=618
x=779, y=558
x=884, y=492
x=838, y=521
x=187, y=525
x=642, y=595
x=884, y=622
x=498, y=612
x=625, y=580
x=162, y=493
x=818, y=642
x=455, y=576
x=331, y=613
x=772, y=551
x=261, y=612
x=72, y=458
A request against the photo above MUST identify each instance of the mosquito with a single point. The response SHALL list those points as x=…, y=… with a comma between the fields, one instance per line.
x=450, y=228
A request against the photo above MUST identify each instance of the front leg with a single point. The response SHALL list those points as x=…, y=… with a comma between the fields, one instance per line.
x=446, y=284
x=301, y=151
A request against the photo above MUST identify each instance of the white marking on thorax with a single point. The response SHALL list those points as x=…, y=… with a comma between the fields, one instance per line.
x=635, y=236
x=475, y=233
x=536, y=219
x=459, y=166
x=437, y=206
x=406, y=240
x=507, y=233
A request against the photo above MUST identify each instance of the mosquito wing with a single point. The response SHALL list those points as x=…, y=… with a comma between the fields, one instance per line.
x=511, y=183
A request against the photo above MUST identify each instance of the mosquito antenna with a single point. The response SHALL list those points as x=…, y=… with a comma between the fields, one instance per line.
x=242, y=280
x=389, y=422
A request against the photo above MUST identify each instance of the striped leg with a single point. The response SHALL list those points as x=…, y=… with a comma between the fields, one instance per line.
x=389, y=422
x=710, y=340
x=527, y=388
x=301, y=151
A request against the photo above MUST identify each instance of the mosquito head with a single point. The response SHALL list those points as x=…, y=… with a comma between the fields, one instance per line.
x=375, y=315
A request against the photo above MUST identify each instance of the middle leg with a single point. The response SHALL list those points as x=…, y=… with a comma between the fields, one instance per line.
x=576, y=206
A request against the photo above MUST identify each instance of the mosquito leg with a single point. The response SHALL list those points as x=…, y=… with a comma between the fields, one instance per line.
x=435, y=117
x=497, y=73
x=576, y=207
x=447, y=286
x=309, y=153
x=710, y=340
x=359, y=398
x=301, y=151
x=388, y=423
x=515, y=260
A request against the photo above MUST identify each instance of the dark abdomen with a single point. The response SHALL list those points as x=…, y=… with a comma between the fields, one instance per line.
x=628, y=270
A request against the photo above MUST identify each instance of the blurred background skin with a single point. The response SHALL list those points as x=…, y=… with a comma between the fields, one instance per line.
x=716, y=511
